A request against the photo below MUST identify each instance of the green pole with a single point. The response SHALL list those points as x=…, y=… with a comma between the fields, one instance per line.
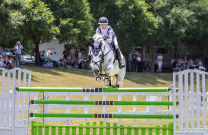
x=63, y=115
x=143, y=116
x=72, y=102
x=48, y=89
x=135, y=89
x=73, y=115
x=79, y=102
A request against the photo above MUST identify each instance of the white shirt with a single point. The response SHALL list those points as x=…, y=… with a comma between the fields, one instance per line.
x=159, y=57
x=79, y=57
x=18, y=49
x=53, y=56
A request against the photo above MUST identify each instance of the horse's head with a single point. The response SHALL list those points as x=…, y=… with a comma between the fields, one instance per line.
x=96, y=57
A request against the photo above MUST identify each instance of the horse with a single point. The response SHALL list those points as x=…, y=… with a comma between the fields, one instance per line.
x=103, y=61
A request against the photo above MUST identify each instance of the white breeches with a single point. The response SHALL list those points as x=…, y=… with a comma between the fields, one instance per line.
x=115, y=42
x=159, y=65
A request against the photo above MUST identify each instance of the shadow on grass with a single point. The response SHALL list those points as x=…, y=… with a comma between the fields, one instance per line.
x=149, y=78
x=136, y=77
x=55, y=71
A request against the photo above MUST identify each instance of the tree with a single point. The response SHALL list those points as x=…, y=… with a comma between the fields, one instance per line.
x=73, y=19
x=197, y=34
x=174, y=19
x=38, y=24
x=11, y=19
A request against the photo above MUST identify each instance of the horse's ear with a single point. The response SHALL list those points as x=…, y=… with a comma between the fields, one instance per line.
x=92, y=45
x=100, y=45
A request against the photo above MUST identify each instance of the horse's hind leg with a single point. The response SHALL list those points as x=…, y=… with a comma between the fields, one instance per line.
x=109, y=81
x=117, y=85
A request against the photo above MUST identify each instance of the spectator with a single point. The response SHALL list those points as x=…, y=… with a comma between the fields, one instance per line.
x=80, y=56
x=190, y=64
x=48, y=53
x=69, y=57
x=134, y=61
x=147, y=67
x=14, y=52
x=156, y=65
x=65, y=52
x=6, y=61
x=63, y=63
x=73, y=63
x=68, y=64
x=72, y=52
x=55, y=62
x=54, y=55
x=43, y=53
x=175, y=64
x=10, y=60
x=201, y=67
x=159, y=62
x=196, y=63
x=18, y=48
x=2, y=64
x=200, y=62
x=2, y=52
x=40, y=54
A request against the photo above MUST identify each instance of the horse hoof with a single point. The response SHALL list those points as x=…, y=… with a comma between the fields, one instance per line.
x=109, y=84
x=117, y=86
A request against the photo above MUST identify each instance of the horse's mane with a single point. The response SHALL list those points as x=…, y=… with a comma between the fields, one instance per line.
x=98, y=38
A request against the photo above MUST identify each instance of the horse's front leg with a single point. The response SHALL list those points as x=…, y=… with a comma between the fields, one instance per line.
x=107, y=70
x=98, y=77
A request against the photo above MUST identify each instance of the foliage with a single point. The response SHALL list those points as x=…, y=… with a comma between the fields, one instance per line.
x=197, y=33
x=73, y=19
x=130, y=20
x=38, y=24
x=11, y=19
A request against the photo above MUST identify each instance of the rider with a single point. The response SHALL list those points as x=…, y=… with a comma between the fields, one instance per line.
x=108, y=32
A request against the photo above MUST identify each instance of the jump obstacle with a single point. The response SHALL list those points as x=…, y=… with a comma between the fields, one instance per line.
x=106, y=115
x=191, y=113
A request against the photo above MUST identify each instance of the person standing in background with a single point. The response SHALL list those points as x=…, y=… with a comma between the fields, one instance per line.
x=134, y=61
x=72, y=52
x=18, y=48
x=159, y=62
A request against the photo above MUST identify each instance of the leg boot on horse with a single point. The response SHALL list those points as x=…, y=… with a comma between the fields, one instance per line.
x=121, y=64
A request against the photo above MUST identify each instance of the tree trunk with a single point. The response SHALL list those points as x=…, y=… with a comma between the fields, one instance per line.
x=37, y=62
x=152, y=58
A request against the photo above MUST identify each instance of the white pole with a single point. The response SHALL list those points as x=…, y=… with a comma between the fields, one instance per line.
x=192, y=101
x=135, y=106
x=180, y=80
x=174, y=103
x=13, y=102
x=2, y=99
x=198, y=93
x=203, y=96
x=104, y=108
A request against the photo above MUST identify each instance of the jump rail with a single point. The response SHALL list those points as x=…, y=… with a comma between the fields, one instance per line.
x=78, y=102
x=79, y=115
x=52, y=89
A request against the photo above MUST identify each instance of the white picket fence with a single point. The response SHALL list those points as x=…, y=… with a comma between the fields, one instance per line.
x=193, y=105
x=14, y=107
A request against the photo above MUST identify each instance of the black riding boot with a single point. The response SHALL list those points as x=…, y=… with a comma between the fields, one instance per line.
x=121, y=65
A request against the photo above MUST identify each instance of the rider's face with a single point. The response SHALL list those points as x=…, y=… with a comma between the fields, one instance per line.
x=102, y=26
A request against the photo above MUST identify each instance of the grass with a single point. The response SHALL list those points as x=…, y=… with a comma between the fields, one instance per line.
x=61, y=77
